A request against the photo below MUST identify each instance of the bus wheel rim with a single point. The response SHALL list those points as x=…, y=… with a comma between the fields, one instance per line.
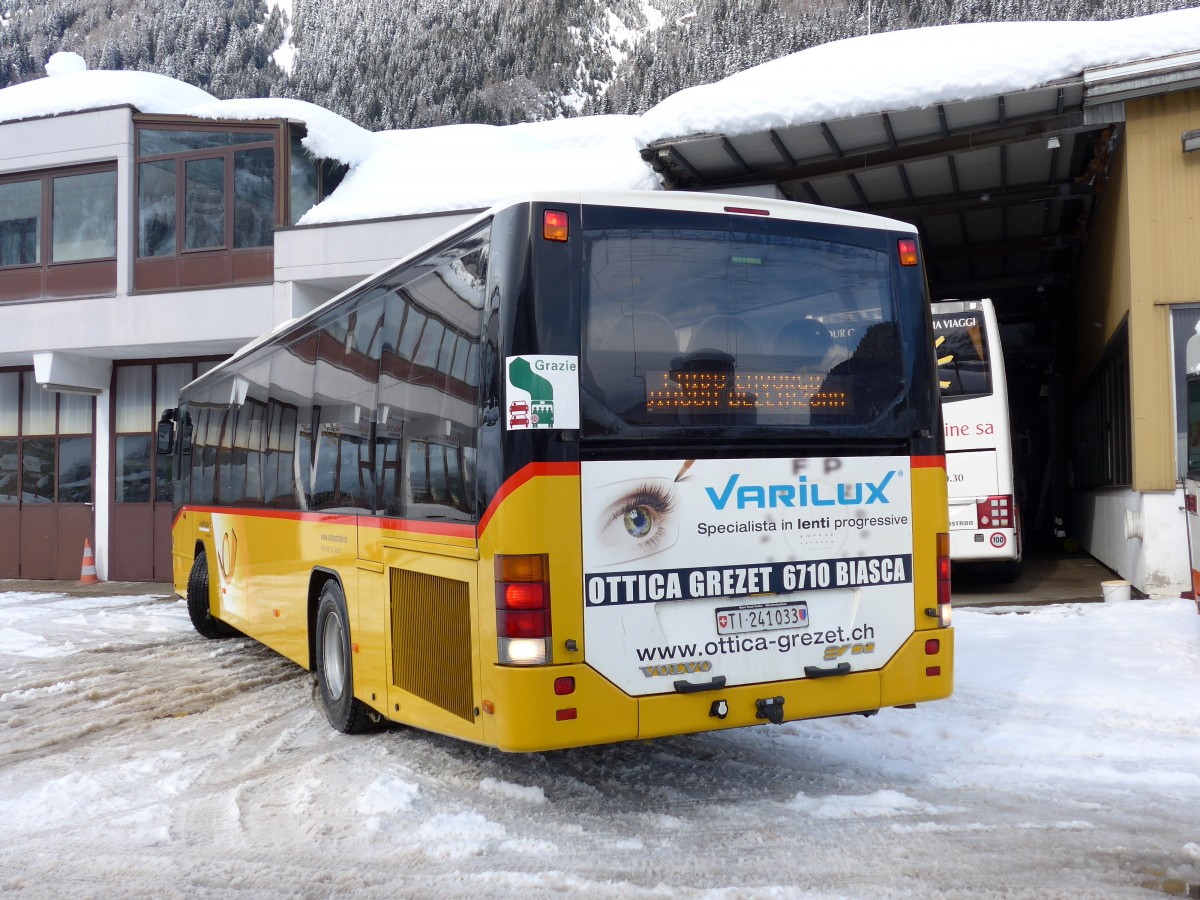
x=334, y=662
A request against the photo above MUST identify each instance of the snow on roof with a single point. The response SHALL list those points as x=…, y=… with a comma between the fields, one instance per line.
x=913, y=68
x=473, y=166
x=71, y=87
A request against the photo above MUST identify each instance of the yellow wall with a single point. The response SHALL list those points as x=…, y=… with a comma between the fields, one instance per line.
x=1144, y=254
x=1104, y=283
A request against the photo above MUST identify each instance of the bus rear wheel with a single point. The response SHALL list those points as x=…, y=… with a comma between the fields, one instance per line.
x=198, y=602
x=335, y=667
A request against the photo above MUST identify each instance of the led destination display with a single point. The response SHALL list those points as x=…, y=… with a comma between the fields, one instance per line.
x=763, y=392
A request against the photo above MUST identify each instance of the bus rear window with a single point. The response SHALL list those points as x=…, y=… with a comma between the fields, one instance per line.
x=962, y=353
x=687, y=326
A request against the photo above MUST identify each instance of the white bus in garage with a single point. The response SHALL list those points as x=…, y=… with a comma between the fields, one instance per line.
x=984, y=519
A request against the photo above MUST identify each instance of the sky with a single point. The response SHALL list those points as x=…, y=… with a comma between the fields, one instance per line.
x=474, y=166
x=140, y=760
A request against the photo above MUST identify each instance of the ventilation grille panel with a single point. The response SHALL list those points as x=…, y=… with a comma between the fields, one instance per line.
x=431, y=640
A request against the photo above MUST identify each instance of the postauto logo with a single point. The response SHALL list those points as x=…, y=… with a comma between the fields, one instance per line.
x=800, y=494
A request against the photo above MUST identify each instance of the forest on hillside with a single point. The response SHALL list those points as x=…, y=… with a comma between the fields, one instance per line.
x=414, y=63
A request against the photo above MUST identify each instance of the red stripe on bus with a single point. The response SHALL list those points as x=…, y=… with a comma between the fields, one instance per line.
x=414, y=525
x=928, y=462
x=529, y=472
x=445, y=529
x=294, y=514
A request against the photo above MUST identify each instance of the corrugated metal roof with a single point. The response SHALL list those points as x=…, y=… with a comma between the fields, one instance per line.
x=1001, y=188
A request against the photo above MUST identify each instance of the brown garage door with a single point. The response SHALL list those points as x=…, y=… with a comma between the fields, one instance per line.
x=47, y=460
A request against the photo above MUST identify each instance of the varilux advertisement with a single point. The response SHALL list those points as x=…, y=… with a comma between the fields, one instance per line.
x=749, y=570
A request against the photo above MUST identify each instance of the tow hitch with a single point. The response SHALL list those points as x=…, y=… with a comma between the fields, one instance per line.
x=771, y=709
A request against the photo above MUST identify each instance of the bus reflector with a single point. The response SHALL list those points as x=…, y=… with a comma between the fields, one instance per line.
x=908, y=252
x=931, y=671
x=554, y=225
x=943, y=579
x=565, y=715
x=524, y=623
x=995, y=512
x=523, y=610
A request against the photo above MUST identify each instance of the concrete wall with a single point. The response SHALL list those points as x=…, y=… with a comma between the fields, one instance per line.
x=1140, y=535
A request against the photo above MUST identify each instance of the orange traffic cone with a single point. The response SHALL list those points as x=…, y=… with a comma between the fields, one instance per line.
x=87, y=574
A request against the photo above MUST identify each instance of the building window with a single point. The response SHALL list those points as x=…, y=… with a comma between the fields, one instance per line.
x=45, y=443
x=20, y=223
x=311, y=180
x=207, y=204
x=58, y=233
x=1103, y=451
x=156, y=208
x=1185, y=329
x=84, y=223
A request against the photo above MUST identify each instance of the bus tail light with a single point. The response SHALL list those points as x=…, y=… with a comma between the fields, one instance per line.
x=943, y=579
x=554, y=225
x=908, y=252
x=995, y=512
x=523, y=610
x=1190, y=502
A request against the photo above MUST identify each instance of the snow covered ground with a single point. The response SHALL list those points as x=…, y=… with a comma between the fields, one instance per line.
x=139, y=760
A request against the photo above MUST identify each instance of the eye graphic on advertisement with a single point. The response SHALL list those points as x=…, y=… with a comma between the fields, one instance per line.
x=638, y=519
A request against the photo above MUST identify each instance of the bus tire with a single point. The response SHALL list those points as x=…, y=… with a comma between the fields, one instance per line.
x=198, y=602
x=334, y=665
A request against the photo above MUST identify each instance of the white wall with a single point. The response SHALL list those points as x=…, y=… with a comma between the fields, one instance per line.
x=65, y=140
x=345, y=254
x=1141, y=536
x=102, y=485
x=181, y=323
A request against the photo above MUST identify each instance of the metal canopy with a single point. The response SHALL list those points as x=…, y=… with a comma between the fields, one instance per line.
x=1002, y=188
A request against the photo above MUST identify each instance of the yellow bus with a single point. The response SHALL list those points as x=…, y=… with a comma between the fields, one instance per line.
x=593, y=467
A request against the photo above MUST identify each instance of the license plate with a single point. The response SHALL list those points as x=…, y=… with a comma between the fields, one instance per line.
x=762, y=617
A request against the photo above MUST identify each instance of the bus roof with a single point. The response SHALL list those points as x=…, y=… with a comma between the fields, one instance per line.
x=687, y=201
x=697, y=201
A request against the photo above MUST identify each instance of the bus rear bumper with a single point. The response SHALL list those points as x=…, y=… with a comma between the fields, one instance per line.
x=985, y=545
x=528, y=715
